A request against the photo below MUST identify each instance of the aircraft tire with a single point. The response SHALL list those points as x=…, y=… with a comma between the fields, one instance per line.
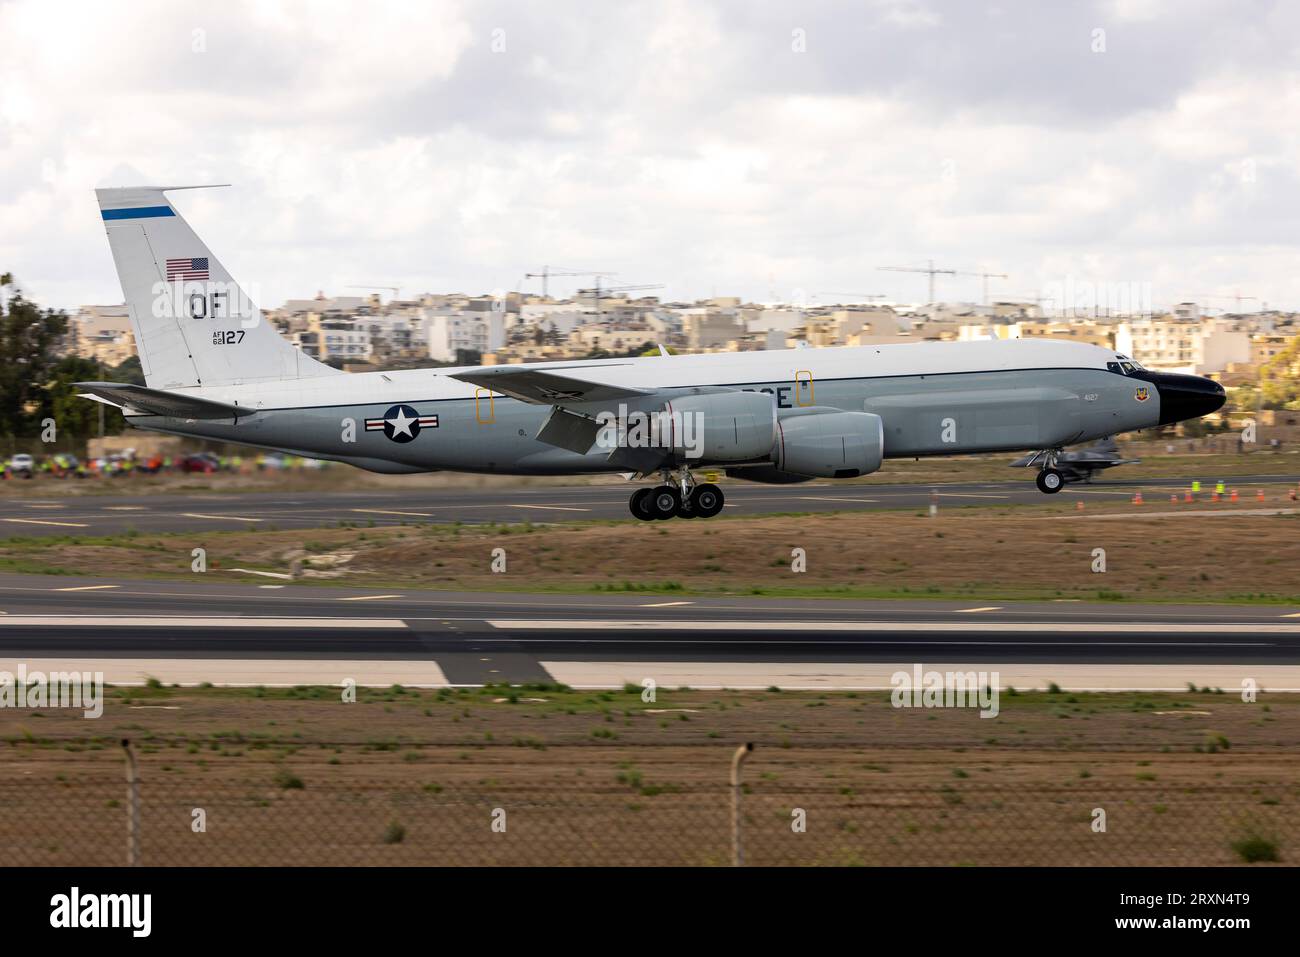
x=663, y=502
x=1050, y=481
x=707, y=500
x=639, y=505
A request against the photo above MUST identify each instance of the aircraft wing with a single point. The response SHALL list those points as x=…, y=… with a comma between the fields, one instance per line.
x=176, y=405
x=543, y=387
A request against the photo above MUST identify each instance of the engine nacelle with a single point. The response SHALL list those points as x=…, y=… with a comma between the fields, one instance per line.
x=723, y=426
x=830, y=444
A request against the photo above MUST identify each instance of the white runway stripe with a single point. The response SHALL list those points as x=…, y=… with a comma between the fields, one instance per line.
x=223, y=518
x=113, y=621
x=1009, y=627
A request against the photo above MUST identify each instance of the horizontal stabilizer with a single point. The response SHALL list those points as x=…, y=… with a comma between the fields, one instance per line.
x=176, y=405
x=544, y=388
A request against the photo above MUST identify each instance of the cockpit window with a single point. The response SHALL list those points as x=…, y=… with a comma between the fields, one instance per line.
x=1114, y=367
x=1127, y=367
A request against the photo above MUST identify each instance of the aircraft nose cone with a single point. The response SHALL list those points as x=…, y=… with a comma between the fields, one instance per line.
x=1186, y=396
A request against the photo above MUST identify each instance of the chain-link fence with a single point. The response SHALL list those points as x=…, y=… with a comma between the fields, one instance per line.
x=284, y=814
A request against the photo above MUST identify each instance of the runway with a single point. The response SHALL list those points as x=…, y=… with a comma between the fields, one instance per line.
x=115, y=514
x=182, y=632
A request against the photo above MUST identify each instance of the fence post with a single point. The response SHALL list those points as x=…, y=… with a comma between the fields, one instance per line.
x=737, y=759
x=132, y=807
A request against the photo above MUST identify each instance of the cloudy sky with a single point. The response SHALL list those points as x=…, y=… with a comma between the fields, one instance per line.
x=776, y=151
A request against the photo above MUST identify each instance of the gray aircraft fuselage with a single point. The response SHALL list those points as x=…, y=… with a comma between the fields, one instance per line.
x=923, y=415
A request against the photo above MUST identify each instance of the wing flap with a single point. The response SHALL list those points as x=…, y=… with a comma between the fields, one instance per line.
x=542, y=387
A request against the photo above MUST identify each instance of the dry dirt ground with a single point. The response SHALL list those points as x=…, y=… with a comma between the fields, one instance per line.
x=420, y=777
x=1156, y=551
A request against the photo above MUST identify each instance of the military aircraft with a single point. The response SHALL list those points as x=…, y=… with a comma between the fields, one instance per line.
x=216, y=369
x=1082, y=464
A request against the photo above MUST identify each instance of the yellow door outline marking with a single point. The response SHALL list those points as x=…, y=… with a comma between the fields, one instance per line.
x=479, y=393
x=799, y=382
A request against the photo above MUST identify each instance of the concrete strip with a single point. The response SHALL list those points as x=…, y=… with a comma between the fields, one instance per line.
x=867, y=676
x=269, y=672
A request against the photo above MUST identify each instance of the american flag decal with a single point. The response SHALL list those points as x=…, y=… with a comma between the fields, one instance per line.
x=187, y=270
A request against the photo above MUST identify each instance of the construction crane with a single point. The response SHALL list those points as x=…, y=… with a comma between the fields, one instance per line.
x=1238, y=299
x=929, y=270
x=393, y=289
x=1038, y=300
x=547, y=273
x=597, y=293
x=868, y=296
x=986, y=276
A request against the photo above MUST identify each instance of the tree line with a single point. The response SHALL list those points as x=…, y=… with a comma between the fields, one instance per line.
x=36, y=376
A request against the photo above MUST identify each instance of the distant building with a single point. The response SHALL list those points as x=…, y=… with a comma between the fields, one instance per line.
x=101, y=333
x=708, y=327
x=451, y=333
x=1183, y=345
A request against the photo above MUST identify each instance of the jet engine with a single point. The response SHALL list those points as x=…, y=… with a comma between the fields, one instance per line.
x=722, y=426
x=830, y=444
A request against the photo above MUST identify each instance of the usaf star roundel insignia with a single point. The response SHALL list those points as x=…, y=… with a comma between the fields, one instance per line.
x=402, y=423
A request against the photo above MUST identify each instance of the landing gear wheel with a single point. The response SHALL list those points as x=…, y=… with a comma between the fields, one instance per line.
x=639, y=504
x=706, y=500
x=664, y=501
x=1050, y=481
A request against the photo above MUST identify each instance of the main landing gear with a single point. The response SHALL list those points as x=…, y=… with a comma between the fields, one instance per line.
x=676, y=499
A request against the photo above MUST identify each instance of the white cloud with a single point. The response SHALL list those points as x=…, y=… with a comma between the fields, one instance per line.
x=685, y=143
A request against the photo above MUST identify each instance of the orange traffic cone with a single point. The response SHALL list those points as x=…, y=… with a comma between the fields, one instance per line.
x=1233, y=497
x=1137, y=499
x=1259, y=495
x=1173, y=499
x=1078, y=506
x=1214, y=497
x=1187, y=497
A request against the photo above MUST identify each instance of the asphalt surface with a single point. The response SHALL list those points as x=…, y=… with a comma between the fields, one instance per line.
x=180, y=512
x=473, y=638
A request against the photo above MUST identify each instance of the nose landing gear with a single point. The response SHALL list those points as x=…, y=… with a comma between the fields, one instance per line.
x=1050, y=479
x=676, y=499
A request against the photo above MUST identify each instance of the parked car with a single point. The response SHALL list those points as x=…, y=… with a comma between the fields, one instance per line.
x=23, y=465
x=201, y=462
